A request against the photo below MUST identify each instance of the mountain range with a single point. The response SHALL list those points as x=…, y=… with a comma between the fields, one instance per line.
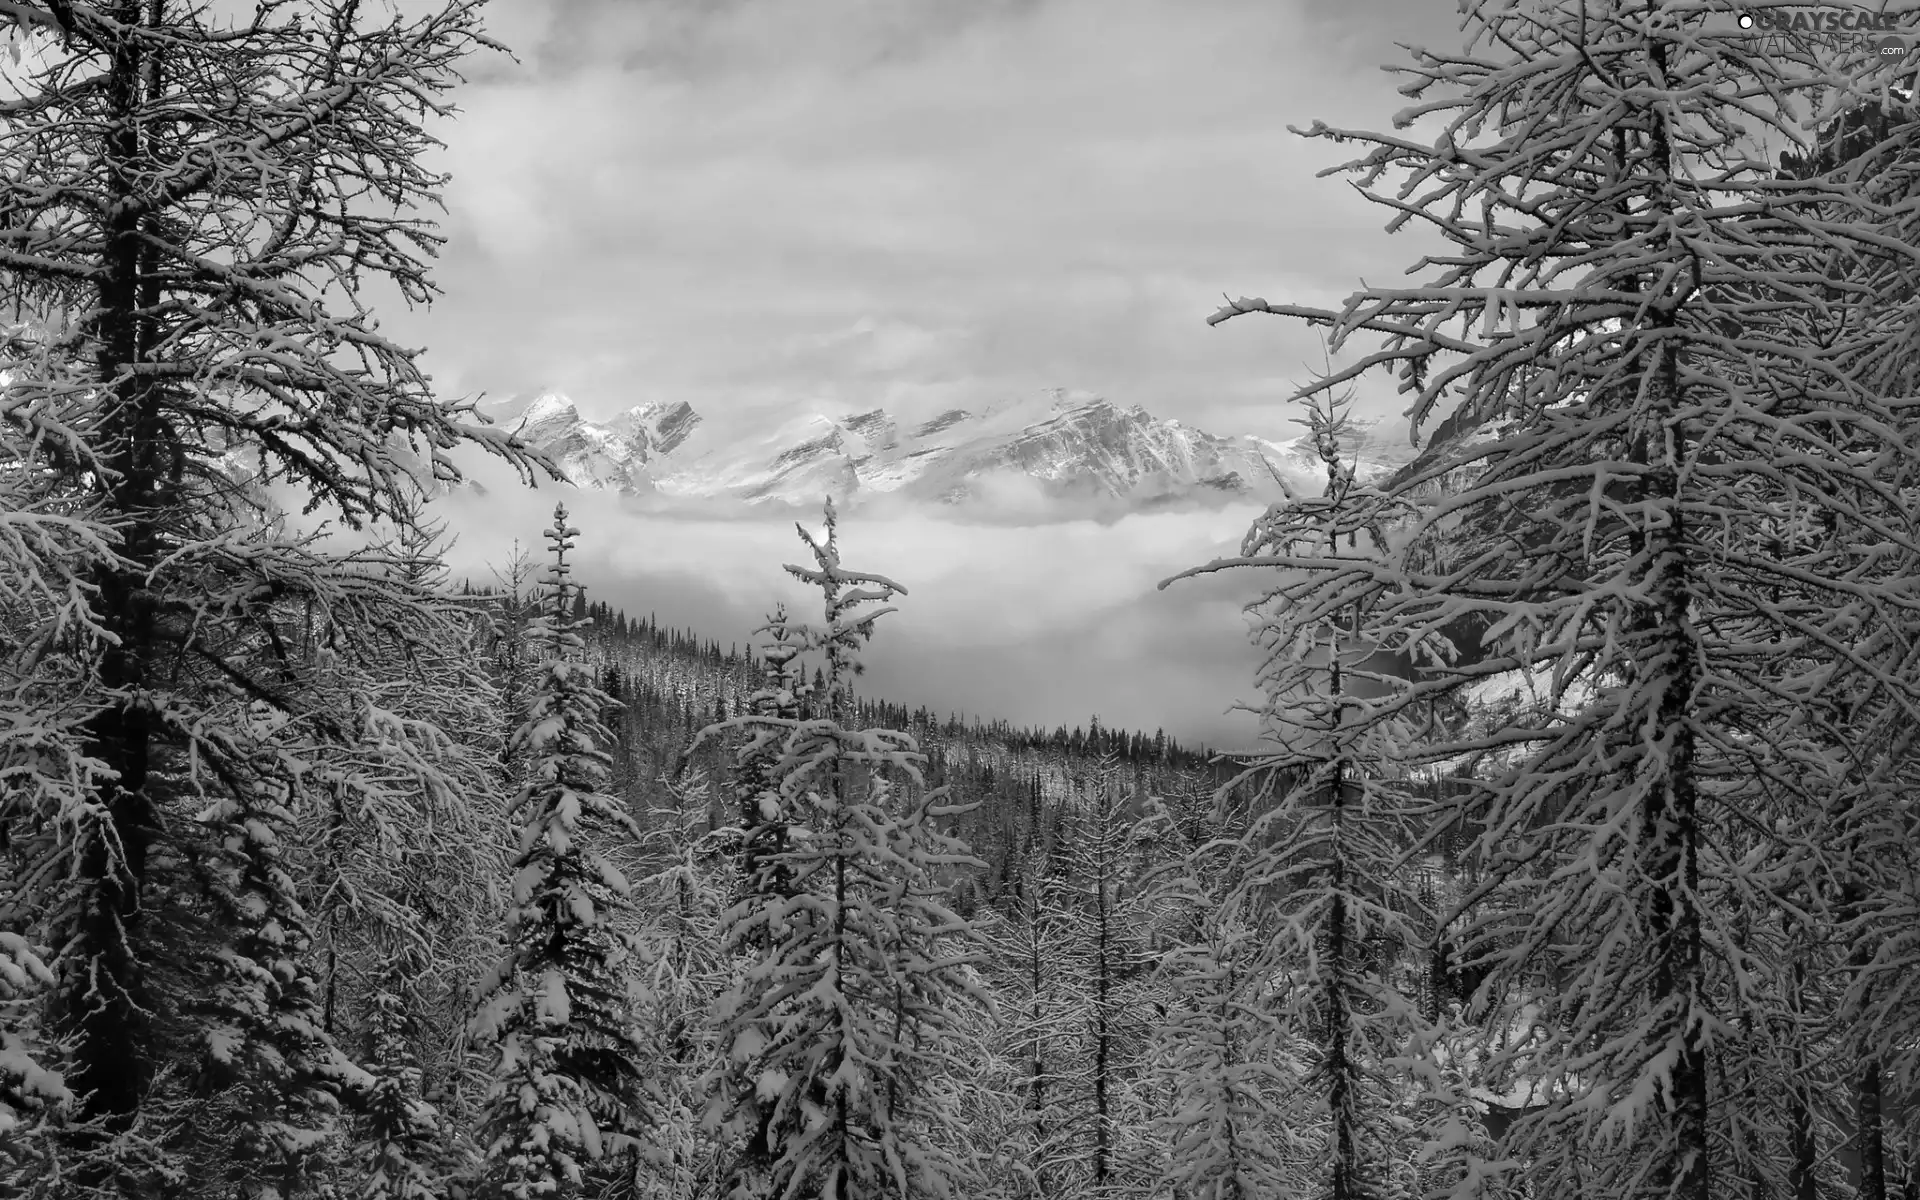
x=1059, y=445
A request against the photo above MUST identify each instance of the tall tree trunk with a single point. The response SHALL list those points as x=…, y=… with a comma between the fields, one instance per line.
x=1869, y=1100
x=1669, y=815
x=1802, y=1144
x=1103, y=1033
x=1037, y=1093
x=1802, y=1141
x=1343, y=1183
x=102, y=998
x=1869, y=1118
x=1344, y=1179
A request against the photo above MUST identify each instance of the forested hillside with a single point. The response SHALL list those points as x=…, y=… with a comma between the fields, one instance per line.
x=1578, y=857
x=669, y=684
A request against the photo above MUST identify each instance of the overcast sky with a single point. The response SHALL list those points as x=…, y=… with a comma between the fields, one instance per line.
x=768, y=206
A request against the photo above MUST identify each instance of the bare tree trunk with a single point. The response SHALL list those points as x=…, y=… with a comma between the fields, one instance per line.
x=1103, y=1033
x=101, y=1000
x=1669, y=820
x=1037, y=1091
x=1871, y=1125
x=1344, y=1181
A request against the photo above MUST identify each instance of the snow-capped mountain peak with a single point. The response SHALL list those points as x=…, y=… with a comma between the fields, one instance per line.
x=1065, y=443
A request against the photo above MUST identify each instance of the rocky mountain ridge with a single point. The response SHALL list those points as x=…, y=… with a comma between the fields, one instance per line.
x=1059, y=445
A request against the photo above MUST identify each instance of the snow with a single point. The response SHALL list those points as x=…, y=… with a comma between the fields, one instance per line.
x=1061, y=439
x=224, y=1045
x=770, y=1085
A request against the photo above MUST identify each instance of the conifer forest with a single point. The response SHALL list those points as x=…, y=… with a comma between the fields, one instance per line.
x=1580, y=858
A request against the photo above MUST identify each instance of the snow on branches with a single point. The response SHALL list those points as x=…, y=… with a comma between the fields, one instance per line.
x=1316, y=900
x=197, y=213
x=29, y=1090
x=840, y=1041
x=567, y=1090
x=1678, y=488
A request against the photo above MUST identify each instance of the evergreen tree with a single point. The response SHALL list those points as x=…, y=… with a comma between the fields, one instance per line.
x=765, y=816
x=156, y=256
x=840, y=1043
x=1317, y=878
x=401, y=857
x=567, y=1091
x=402, y=1133
x=276, y=1074
x=1859, y=878
x=1680, y=357
x=517, y=603
x=688, y=881
x=1037, y=997
x=29, y=1092
x=50, y=543
x=1098, y=865
x=1235, y=1127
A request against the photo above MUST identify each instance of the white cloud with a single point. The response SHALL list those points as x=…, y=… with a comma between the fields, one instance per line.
x=1039, y=623
x=1057, y=192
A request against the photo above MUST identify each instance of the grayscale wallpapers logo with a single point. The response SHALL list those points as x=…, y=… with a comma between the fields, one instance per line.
x=1838, y=28
x=1819, y=21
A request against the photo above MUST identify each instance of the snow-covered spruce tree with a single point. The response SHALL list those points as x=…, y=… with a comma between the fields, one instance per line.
x=402, y=1134
x=764, y=816
x=568, y=1093
x=1103, y=1146
x=1847, y=912
x=761, y=836
x=840, y=1042
x=49, y=545
x=439, y=736
x=268, y=1092
x=1038, y=1030
x=1319, y=876
x=1069, y=953
x=192, y=212
x=1680, y=354
x=260, y=1115
x=515, y=603
x=29, y=1092
x=687, y=880
x=402, y=852
x=1234, y=1128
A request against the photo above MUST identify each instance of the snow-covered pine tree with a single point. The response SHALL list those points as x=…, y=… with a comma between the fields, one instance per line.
x=844, y=1017
x=1856, y=868
x=402, y=1136
x=765, y=816
x=49, y=546
x=1319, y=876
x=620, y=722
x=687, y=880
x=1103, y=1088
x=402, y=853
x=1233, y=1130
x=433, y=721
x=269, y=1088
x=568, y=1093
x=1039, y=1008
x=199, y=285
x=1679, y=354
x=761, y=836
x=29, y=1092
x=515, y=603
